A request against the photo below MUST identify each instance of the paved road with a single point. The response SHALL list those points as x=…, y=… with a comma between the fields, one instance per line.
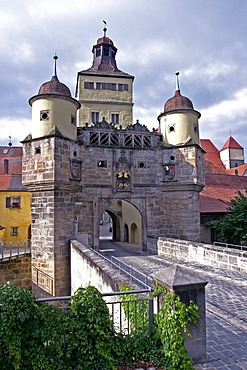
x=226, y=304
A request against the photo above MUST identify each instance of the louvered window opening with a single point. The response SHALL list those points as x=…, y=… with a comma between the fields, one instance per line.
x=113, y=139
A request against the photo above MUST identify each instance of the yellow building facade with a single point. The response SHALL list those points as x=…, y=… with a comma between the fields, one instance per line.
x=15, y=200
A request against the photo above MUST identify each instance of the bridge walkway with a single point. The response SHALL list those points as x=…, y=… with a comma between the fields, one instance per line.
x=226, y=304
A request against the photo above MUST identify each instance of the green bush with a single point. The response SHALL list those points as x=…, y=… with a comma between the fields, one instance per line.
x=38, y=336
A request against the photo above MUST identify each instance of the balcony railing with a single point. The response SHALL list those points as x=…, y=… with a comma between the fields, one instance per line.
x=13, y=250
x=132, y=315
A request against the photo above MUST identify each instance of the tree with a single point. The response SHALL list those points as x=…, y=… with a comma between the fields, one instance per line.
x=233, y=227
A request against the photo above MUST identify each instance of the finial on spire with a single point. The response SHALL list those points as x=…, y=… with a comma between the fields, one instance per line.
x=105, y=29
x=10, y=142
x=230, y=132
x=55, y=64
x=177, y=81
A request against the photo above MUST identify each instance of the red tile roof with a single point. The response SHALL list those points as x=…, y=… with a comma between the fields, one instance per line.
x=212, y=155
x=241, y=170
x=219, y=190
x=231, y=143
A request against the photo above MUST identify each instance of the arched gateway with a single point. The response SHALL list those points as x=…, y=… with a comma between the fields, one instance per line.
x=148, y=181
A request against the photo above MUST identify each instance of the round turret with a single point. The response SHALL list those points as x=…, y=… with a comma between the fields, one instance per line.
x=178, y=123
x=54, y=110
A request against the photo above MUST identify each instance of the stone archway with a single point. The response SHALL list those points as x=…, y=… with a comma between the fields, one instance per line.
x=134, y=234
x=127, y=222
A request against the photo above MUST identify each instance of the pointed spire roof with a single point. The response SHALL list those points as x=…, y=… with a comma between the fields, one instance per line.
x=231, y=143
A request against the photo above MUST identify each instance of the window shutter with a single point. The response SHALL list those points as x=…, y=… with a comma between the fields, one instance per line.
x=8, y=202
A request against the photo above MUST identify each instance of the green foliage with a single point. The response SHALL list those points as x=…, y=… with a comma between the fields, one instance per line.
x=166, y=345
x=171, y=323
x=135, y=310
x=89, y=332
x=27, y=331
x=39, y=336
x=233, y=227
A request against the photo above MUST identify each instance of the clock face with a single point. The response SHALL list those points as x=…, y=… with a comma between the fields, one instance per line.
x=123, y=180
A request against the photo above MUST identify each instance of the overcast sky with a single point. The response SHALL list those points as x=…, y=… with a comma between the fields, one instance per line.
x=206, y=40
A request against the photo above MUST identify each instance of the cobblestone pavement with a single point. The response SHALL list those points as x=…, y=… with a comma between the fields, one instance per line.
x=226, y=305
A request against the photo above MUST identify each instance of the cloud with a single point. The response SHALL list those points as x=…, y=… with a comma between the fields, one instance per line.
x=18, y=129
x=227, y=116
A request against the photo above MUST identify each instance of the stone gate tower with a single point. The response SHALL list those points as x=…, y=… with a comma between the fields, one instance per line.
x=148, y=183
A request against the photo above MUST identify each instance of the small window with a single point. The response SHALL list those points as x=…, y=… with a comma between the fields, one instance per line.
x=14, y=231
x=5, y=151
x=98, y=86
x=171, y=128
x=115, y=118
x=102, y=164
x=6, y=167
x=109, y=86
x=88, y=85
x=13, y=202
x=113, y=87
x=195, y=128
x=120, y=87
x=125, y=87
x=37, y=150
x=106, y=52
x=44, y=115
x=95, y=117
x=141, y=165
x=104, y=86
x=73, y=120
x=97, y=52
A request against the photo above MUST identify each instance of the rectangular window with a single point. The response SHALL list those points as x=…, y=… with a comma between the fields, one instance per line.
x=98, y=86
x=115, y=118
x=97, y=52
x=14, y=231
x=12, y=202
x=6, y=167
x=113, y=87
x=73, y=120
x=106, y=51
x=109, y=86
x=95, y=117
x=103, y=86
x=120, y=87
x=88, y=85
x=125, y=87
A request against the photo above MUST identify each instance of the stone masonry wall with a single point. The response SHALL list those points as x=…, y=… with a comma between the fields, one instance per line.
x=17, y=271
x=88, y=268
x=210, y=255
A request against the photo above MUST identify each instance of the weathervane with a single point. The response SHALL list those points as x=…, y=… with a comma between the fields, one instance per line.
x=10, y=142
x=105, y=29
x=55, y=64
x=177, y=81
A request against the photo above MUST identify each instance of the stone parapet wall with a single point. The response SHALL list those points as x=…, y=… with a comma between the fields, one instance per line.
x=87, y=268
x=17, y=271
x=205, y=254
